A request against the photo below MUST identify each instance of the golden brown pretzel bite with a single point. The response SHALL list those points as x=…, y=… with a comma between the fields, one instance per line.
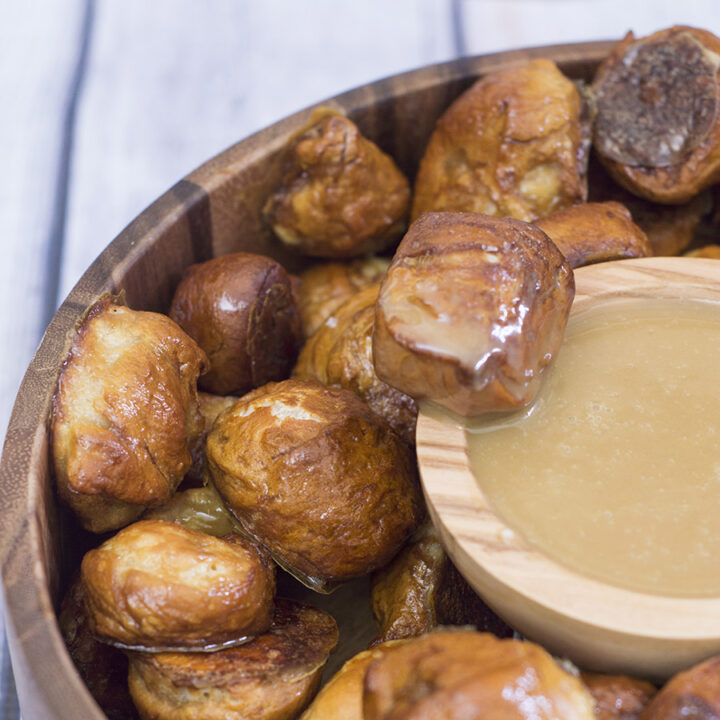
x=340, y=196
x=158, y=585
x=618, y=697
x=125, y=414
x=515, y=144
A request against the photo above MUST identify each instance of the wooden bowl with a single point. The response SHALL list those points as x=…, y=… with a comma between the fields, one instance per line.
x=214, y=210
x=597, y=625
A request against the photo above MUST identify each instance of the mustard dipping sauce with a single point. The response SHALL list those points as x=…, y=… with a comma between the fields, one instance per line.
x=614, y=471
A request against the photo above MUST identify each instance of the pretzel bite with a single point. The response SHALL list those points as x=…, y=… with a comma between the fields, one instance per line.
x=657, y=128
x=103, y=668
x=342, y=697
x=317, y=478
x=473, y=676
x=125, y=416
x=515, y=144
x=471, y=311
x=340, y=196
x=692, y=694
x=241, y=310
x=421, y=589
x=340, y=354
x=324, y=288
x=709, y=251
x=271, y=678
x=595, y=232
x=157, y=585
x=618, y=697
x=199, y=509
x=669, y=228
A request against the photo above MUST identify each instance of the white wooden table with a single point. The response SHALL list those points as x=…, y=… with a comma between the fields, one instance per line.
x=105, y=104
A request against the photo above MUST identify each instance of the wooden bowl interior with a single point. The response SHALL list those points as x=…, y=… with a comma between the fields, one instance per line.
x=214, y=210
x=527, y=587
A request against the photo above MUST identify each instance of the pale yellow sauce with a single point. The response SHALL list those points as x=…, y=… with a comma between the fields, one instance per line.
x=615, y=469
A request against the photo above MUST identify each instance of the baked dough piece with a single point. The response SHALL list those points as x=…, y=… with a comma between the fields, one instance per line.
x=271, y=678
x=340, y=196
x=595, y=232
x=473, y=676
x=693, y=693
x=657, y=128
x=125, y=414
x=324, y=288
x=422, y=589
x=157, y=585
x=103, y=668
x=471, y=311
x=342, y=697
x=340, y=354
x=515, y=144
x=241, y=310
x=317, y=478
x=709, y=251
x=618, y=697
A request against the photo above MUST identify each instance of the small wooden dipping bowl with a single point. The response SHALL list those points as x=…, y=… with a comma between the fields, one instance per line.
x=597, y=625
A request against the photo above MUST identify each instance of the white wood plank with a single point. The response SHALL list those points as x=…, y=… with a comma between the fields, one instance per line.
x=492, y=25
x=39, y=52
x=172, y=82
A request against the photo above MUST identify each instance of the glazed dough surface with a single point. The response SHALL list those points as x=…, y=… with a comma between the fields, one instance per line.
x=615, y=470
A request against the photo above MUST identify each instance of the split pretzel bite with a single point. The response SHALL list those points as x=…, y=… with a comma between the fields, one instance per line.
x=471, y=311
x=125, y=417
x=657, y=128
x=515, y=144
x=273, y=677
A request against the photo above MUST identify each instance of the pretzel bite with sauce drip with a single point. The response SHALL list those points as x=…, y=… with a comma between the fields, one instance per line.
x=340, y=354
x=595, y=232
x=125, y=419
x=474, y=676
x=157, y=585
x=324, y=288
x=618, y=697
x=241, y=310
x=421, y=589
x=317, y=478
x=273, y=677
x=657, y=128
x=340, y=196
x=515, y=144
x=471, y=312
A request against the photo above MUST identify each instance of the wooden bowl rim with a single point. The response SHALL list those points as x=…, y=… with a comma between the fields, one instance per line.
x=35, y=641
x=458, y=504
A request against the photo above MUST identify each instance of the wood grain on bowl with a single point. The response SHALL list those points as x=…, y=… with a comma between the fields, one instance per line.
x=597, y=625
x=214, y=210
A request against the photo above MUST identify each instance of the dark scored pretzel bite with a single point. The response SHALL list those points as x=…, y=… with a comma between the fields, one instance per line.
x=103, y=668
x=471, y=311
x=473, y=676
x=422, y=589
x=125, y=414
x=241, y=310
x=693, y=694
x=317, y=478
x=657, y=128
x=340, y=354
x=340, y=196
x=324, y=288
x=158, y=585
x=273, y=677
x=618, y=697
x=590, y=233
x=342, y=697
x=515, y=144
